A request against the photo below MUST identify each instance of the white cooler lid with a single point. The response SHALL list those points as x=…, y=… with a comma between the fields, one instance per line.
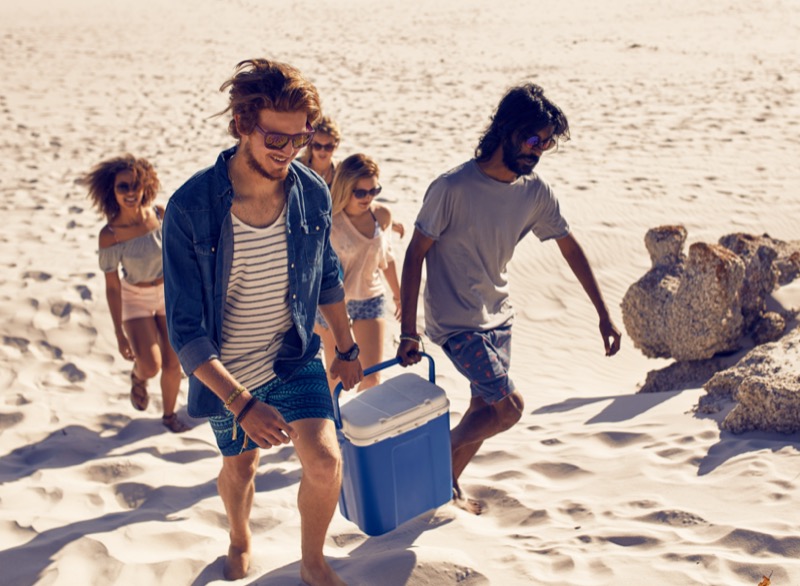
x=391, y=408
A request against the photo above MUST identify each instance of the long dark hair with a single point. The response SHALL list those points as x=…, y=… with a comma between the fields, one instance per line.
x=524, y=108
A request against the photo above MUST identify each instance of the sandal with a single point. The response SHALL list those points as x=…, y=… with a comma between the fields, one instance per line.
x=139, y=397
x=172, y=423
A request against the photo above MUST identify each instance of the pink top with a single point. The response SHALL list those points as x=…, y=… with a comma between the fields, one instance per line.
x=362, y=258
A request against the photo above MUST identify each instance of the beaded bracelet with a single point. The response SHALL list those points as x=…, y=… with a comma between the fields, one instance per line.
x=246, y=409
x=232, y=397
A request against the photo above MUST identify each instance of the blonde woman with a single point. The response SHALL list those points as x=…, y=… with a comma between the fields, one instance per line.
x=318, y=155
x=360, y=237
x=123, y=190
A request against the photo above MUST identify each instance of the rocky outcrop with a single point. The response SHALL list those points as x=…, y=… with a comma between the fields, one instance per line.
x=692, y=308
x=685, y=308
x=763, y=388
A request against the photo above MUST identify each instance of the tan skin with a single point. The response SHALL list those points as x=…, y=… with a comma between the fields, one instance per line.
x=259, y=201
x=321, y=159
x=144, y=340
x=369, y=333
x=483, y=420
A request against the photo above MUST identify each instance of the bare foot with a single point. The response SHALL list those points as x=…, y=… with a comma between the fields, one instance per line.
x=237, y=563
x=320, y=575
x=470, y=505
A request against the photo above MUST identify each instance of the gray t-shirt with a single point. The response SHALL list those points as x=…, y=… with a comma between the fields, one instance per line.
x=476, y=223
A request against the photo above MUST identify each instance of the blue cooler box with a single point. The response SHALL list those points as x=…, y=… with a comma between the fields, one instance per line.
x=395, y=441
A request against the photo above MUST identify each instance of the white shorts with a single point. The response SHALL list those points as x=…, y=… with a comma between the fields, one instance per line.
x=140, y=302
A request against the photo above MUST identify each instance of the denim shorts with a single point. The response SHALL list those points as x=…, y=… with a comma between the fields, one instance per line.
x=360, y=309
x=484, y=358
x=305, y=396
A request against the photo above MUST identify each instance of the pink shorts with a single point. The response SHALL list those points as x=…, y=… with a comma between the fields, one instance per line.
x=142, y=301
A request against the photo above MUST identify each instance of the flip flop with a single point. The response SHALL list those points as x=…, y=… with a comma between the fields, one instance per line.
x=175, y=425
x=139, y=397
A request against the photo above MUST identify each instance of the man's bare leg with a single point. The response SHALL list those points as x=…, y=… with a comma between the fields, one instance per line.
x=236, y=487
x=481, y=421
x=320, y=457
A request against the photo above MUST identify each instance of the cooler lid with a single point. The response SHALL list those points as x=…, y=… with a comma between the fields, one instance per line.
x=391, y=408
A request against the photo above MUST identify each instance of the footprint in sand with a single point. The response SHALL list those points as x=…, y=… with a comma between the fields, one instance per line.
x=20, y=344
x=8, y=420
x=84, y=292
x=674, y=518
x=37, y=275
x=132, y=494
x=72, y=373
x=47, y=348
x=112, y=472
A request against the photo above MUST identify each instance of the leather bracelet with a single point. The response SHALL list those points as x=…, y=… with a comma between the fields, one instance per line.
x=246, y=409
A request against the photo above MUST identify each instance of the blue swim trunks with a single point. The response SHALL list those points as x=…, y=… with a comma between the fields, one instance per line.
x=484, y=358
x=360, y=309
x=305, y=396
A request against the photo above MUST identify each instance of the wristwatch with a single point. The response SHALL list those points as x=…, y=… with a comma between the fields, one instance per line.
x=348, y=356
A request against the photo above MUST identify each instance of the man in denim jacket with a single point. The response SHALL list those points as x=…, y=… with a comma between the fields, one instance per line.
x=247, y=259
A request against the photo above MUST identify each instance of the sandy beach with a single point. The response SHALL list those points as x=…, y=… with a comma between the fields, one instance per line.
x=680, y=113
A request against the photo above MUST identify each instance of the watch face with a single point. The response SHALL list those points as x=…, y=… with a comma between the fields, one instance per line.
x=350, y=355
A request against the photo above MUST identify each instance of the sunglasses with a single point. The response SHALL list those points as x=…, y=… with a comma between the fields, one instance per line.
x=543, y=144
x=125, y=187
x=278, y=140
x=362, y=193
x=328, y=148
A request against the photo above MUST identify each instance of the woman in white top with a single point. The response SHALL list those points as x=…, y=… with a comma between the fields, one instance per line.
x=360, y=235
x=123, y=190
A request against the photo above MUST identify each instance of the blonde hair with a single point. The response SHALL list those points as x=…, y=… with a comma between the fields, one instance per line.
x=348, y=173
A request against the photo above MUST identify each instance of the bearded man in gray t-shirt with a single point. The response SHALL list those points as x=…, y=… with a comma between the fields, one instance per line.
x=471, y=220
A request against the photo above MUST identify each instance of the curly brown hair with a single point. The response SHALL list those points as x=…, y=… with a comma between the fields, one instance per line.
x=100, y=182
x=259, y=84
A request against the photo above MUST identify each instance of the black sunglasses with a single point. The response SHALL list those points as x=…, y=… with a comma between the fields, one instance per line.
x=318, y=146
x=125, y=187
x=362, y=193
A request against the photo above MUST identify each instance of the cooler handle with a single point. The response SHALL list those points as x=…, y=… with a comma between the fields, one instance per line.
x=337, y=416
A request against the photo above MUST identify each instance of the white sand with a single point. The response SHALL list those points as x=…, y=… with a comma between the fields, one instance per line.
x=680, y=113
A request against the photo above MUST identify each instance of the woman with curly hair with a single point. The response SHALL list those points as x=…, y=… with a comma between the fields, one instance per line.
x=123, y=189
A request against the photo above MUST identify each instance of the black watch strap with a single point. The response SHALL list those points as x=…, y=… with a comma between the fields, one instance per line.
x=348, y=356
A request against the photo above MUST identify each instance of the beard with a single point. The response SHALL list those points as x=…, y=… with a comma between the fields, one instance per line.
x=254, y=165
x=516, y=162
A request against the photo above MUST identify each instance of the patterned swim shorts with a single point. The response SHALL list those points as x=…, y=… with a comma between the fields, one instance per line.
x=484, y=358
x=305, y=396
x=360, y=309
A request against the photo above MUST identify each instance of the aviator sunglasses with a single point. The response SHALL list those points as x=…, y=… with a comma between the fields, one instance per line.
x=328, y=148
x=278, y=140
x=362, y=193
x=537, y=142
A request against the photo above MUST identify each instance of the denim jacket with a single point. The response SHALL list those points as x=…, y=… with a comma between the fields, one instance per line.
x=198, y=253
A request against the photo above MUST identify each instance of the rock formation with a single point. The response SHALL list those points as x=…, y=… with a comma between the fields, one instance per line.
x=764, y=387
x=694, y=308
